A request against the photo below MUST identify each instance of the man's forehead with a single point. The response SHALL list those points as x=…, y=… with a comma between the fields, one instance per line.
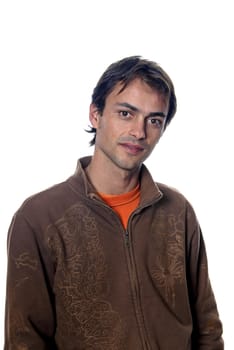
x=122, y=86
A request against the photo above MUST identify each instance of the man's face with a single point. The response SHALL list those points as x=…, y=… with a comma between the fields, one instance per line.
x=131, y=124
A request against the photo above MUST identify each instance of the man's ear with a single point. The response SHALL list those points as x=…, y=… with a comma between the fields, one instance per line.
x=94, y=116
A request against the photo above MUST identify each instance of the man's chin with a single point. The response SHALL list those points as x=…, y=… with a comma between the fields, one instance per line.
x=129, y=166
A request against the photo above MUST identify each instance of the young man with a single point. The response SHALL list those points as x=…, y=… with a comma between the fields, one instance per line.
x=109, y=259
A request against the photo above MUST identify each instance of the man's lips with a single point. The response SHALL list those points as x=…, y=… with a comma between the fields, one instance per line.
x=132, y=148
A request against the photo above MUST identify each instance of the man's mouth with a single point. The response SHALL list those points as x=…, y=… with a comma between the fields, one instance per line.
x=132, y=148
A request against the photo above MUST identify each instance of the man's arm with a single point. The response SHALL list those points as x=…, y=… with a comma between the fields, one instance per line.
x=207, y=325
x=29, y=314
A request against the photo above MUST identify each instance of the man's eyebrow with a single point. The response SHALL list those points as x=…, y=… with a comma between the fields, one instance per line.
x=135, y=109
x=129, y=106
x=157, y=114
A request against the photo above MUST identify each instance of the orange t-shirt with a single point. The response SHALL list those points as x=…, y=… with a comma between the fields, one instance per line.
x=123, y=204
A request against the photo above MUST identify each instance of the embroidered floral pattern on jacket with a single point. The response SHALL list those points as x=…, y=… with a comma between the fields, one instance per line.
x=26, y=264
x=169, y=258
x=81, y=285
x=25, y=260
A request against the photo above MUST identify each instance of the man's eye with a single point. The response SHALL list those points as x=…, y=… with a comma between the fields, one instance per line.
x=156, y=122
x=124, y=113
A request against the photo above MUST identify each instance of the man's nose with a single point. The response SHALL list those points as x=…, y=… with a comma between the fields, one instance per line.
x=138, y=129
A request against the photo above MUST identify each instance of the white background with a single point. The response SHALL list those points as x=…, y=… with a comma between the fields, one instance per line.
x=52, y=54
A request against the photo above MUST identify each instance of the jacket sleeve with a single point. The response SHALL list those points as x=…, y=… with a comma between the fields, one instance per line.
x=207, y=325
x=29, y=312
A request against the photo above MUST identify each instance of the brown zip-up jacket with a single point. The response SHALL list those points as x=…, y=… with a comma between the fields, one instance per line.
x=77, y=280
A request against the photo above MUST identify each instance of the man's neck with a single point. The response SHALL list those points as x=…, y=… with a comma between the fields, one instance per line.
x=112, y=181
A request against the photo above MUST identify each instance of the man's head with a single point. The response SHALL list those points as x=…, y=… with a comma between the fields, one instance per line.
x=127, y=70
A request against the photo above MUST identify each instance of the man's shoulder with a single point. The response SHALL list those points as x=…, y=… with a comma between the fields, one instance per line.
x=170, y=190
x=54, y=195
x=173, y=194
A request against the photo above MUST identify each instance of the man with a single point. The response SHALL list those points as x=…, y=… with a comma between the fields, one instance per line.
x=109, y=259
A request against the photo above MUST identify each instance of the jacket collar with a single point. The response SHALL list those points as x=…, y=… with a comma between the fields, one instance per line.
x=150, y=191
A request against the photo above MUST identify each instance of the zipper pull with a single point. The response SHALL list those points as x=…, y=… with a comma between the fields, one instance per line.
x=127, y=238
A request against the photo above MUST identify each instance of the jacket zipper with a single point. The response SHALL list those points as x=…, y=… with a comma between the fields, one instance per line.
x=135, y=290
x=127, y=238
x=135, y=284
